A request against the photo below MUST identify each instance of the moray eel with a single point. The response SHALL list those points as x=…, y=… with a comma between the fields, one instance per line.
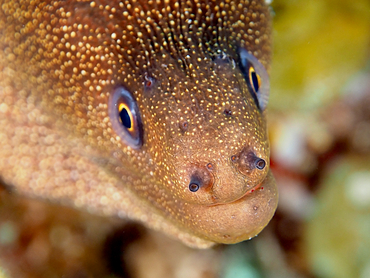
x=152, y=110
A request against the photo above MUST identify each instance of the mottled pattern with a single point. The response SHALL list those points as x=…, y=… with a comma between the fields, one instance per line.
x=60, y=62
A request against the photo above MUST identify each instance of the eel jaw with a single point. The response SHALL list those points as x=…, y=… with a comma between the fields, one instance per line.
x=238, y=220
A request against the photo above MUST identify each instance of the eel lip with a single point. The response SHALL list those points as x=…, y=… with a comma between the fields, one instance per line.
x=238, y=220
x=250, y=191
x=258, y=186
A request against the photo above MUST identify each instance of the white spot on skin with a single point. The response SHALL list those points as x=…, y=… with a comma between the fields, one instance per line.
x=87, y=64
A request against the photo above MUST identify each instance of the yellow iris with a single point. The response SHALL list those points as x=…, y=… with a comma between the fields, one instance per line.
x=126, y=118
x=254, y=79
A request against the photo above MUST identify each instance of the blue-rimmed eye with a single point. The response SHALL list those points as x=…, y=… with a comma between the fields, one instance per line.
x=125, y=118
x=256, y=77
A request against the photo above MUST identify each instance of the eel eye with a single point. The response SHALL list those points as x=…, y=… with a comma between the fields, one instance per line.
x=254, y=80
x=125, y=118
x=256, y=77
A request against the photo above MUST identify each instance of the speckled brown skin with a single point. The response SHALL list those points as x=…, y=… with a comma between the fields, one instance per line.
x=61, y=60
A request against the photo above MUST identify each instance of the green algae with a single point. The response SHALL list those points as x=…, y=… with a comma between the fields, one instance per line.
x=318, y=46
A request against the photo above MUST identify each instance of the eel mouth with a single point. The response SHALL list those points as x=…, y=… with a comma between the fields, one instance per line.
x=237, y=220
x=259, y=187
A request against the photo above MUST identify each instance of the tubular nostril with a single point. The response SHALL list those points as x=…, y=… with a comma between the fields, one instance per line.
x=260, y=164
x=201, y=178
x=247, y=161
x=193, y=187
x=195, y=183
x=252, y=161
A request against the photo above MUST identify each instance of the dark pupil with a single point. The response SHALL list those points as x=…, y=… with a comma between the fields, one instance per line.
x=125, y=118
x=255, y=81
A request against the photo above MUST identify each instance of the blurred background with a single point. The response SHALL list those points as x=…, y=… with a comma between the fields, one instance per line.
x=319, y=125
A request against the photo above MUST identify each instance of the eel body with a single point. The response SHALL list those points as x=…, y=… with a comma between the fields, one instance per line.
x=152, y=110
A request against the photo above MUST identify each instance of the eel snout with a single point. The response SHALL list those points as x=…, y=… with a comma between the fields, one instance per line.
x=239, y=220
